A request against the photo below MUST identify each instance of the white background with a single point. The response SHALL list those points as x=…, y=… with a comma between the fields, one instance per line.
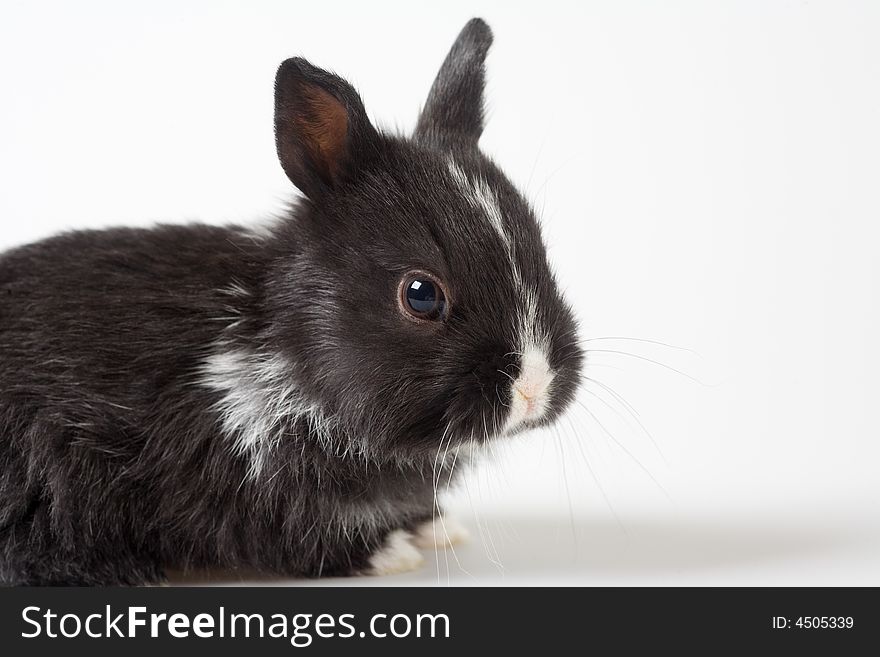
x=706, y=175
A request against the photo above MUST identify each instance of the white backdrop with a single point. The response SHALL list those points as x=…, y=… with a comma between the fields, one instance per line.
x=707, y=177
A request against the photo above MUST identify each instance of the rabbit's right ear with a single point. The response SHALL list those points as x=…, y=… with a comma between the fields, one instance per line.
x=453, y=114
x=322, y=132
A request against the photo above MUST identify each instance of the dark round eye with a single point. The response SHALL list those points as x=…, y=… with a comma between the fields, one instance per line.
x=422, y=297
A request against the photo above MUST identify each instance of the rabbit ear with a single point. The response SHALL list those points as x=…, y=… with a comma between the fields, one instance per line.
x=453, y=113
x=322, y=132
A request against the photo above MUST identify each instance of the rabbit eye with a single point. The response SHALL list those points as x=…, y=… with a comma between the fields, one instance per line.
x=422, y=297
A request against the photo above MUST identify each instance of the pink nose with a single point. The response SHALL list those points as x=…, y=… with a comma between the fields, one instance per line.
x=531, y=395
x=531, y=388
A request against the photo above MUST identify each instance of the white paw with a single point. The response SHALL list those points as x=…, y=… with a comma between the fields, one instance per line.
x=397, y=555
x=440, y=533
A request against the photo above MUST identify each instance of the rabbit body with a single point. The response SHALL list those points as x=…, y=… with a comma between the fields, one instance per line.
x=287, y=400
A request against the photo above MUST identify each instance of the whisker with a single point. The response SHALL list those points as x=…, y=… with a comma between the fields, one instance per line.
x=625, y=450
x=623, y=419
x=617, y=396
x=649, y=360
x=506, y=374
x=449, y=542
x=434, y=480
x=440, y=510
x=594, y=476
x=559, y=443
x=645, y=340
x=493, y=560
x=497, y=559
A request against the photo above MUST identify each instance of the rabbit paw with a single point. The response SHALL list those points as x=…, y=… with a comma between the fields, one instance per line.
x=440, y=533
x=397, y=555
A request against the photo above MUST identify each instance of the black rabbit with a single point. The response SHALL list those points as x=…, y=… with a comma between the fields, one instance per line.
x=286, y=399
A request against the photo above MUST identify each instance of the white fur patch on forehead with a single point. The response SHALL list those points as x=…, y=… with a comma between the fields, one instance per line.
x=258, y=401
x=482, y=197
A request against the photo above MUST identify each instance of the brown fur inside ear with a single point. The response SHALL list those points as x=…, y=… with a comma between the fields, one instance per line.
x=324, y=130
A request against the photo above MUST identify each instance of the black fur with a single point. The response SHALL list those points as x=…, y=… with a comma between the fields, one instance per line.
x=115, y=463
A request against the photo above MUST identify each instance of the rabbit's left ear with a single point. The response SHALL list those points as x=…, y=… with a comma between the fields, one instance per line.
x=453, y=114
x=322, y=132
